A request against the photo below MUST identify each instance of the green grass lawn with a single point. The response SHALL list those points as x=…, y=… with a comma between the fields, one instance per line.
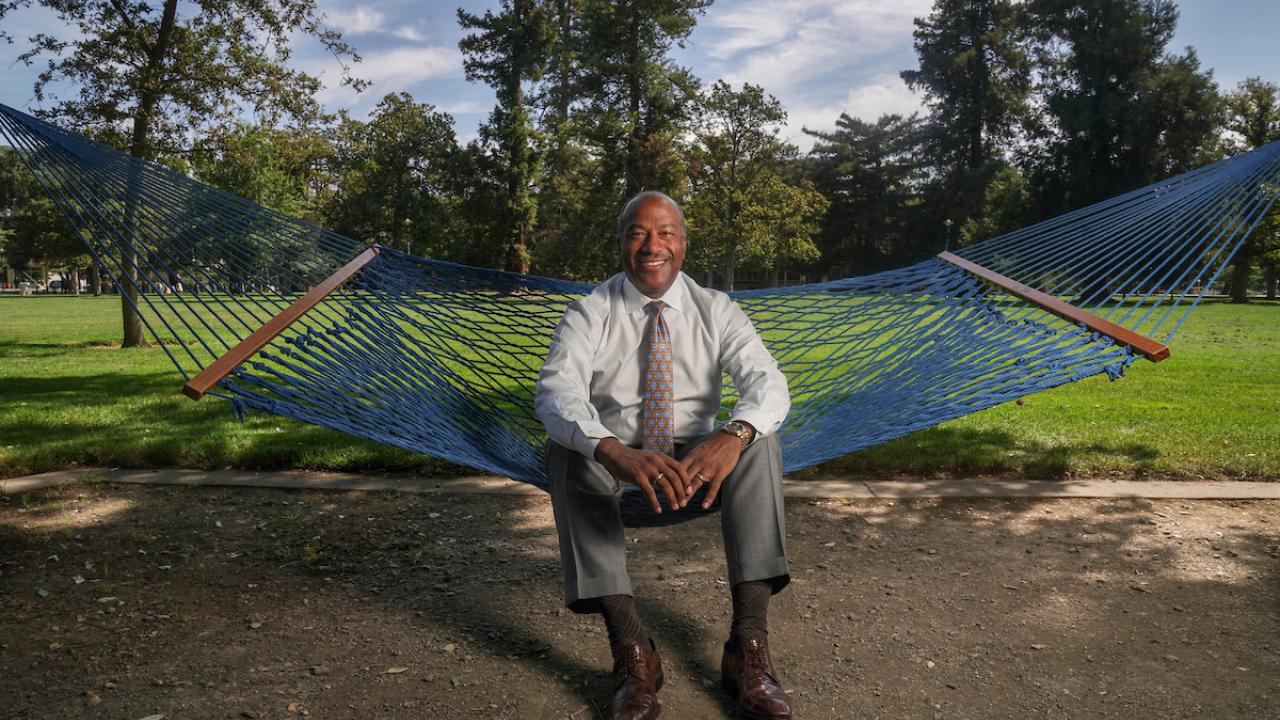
x=1213, y=410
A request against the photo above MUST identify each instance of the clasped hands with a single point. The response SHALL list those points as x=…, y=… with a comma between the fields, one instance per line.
x=709, y=463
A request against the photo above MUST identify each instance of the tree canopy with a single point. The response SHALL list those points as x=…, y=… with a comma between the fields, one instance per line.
x=1029, y=109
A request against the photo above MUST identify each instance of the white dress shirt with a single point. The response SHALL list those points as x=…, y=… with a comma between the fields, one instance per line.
x=591, y=386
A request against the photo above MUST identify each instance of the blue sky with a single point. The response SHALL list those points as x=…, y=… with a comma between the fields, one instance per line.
x=819, y=57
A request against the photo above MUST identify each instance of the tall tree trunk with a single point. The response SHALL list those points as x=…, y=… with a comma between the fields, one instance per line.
x=518, y=154
x=95, y=279
x=564, y=62
x=149, y=96
x=1273, y=279
x=730, y=266
x=75, y=279
x=1240, y=279
x=635, y=137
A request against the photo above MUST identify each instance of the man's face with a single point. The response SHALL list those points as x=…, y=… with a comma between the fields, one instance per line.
x=653, y=245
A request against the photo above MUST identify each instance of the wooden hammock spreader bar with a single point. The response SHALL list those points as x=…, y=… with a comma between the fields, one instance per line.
x=197, y=386
x=1151, y=349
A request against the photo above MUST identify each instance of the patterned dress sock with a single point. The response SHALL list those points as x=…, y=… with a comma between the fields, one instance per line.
x=750, y=610
x=621, y=620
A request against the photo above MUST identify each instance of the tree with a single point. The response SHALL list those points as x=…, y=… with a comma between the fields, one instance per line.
x=742, y=210
x=1253, y=113
x=1004, y=207
x=635, y=96
x=1119, y=112
x=615, y=110
x=576, y=240
x=976, y=77
x=872, y=173
x=278, y=168
x=506, y=51
x=32, y=231
x=577, y=234
x=168, y=75
x=395, y=177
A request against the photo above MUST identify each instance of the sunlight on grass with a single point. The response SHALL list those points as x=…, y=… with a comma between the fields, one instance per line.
x=72, y=397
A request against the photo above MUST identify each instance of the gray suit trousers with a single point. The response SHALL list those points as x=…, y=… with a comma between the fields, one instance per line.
x=593, y=555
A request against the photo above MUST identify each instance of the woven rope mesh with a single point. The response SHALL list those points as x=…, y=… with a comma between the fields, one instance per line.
x=441, y=358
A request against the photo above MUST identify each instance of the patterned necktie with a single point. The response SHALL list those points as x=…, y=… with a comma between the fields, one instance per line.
x=659, y=430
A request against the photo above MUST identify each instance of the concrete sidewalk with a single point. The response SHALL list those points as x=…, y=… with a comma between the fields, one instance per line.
x=1190, y=490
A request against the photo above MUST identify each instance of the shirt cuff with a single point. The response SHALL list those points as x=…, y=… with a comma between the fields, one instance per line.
x=758, y=420
x=588, y=437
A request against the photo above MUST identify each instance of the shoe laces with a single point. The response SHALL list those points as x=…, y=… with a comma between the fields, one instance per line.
x=755, y=656
x=632, y=660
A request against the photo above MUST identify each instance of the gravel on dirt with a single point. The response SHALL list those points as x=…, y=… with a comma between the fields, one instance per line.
x=166, y=602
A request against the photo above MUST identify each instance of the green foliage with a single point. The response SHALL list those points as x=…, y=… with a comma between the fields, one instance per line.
x=170, y=74
x=396, y=177
x=742, y=211
x=274, y=167
x=1253, y=113
x=976, y=77
x=69, y=401
x=1119, y=112
x=577, y=236
x=633, y=97
x=1033, y=108
x=32, y=230
x=617, y=107
x=1004, y=207
x=171, y=69
x=873, y=175
x=505, y=51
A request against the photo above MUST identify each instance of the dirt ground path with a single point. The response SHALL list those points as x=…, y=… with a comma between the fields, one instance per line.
x=132, y=602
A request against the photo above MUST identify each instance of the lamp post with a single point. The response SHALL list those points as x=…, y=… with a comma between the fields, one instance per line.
x=946, y=246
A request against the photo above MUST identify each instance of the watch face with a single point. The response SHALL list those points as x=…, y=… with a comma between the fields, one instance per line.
x=736, y=428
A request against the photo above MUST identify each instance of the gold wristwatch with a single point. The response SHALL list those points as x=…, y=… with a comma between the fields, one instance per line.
x=742, y=431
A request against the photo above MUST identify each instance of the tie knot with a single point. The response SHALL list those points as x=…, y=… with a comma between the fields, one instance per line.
x=655, y=307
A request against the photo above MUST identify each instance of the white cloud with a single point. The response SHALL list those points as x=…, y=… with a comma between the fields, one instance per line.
x=781, y=44
x=750, y=26
x=881, y=95
x=361, y=20
x=819, y=57
x=461, y=107
x=405, y=66
x=355, y=21
x=409, y=32
x=887, y=94
x=388, y=71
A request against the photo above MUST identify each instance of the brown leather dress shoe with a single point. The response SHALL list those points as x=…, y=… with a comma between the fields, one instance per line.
x=746, y=672
x=637, y=678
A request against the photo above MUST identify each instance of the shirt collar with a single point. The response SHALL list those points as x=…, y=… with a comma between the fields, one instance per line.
x=636, y=300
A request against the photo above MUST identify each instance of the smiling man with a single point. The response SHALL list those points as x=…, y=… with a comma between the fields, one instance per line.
x=629, y=395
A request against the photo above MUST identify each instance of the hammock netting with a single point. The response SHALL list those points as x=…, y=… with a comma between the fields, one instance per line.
x=441, y=358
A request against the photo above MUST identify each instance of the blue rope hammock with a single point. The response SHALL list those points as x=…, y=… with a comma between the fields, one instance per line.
x=441, y=358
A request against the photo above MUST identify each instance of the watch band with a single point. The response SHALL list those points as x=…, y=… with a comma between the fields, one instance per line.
x=739, y=430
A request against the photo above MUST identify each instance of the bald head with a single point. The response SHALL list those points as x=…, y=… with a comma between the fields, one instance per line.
x=630, y=207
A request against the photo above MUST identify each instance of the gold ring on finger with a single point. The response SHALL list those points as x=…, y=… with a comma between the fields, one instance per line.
x=659, y=476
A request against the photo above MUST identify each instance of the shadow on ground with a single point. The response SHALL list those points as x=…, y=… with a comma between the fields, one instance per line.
x=127, y=601
x=969, y=450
